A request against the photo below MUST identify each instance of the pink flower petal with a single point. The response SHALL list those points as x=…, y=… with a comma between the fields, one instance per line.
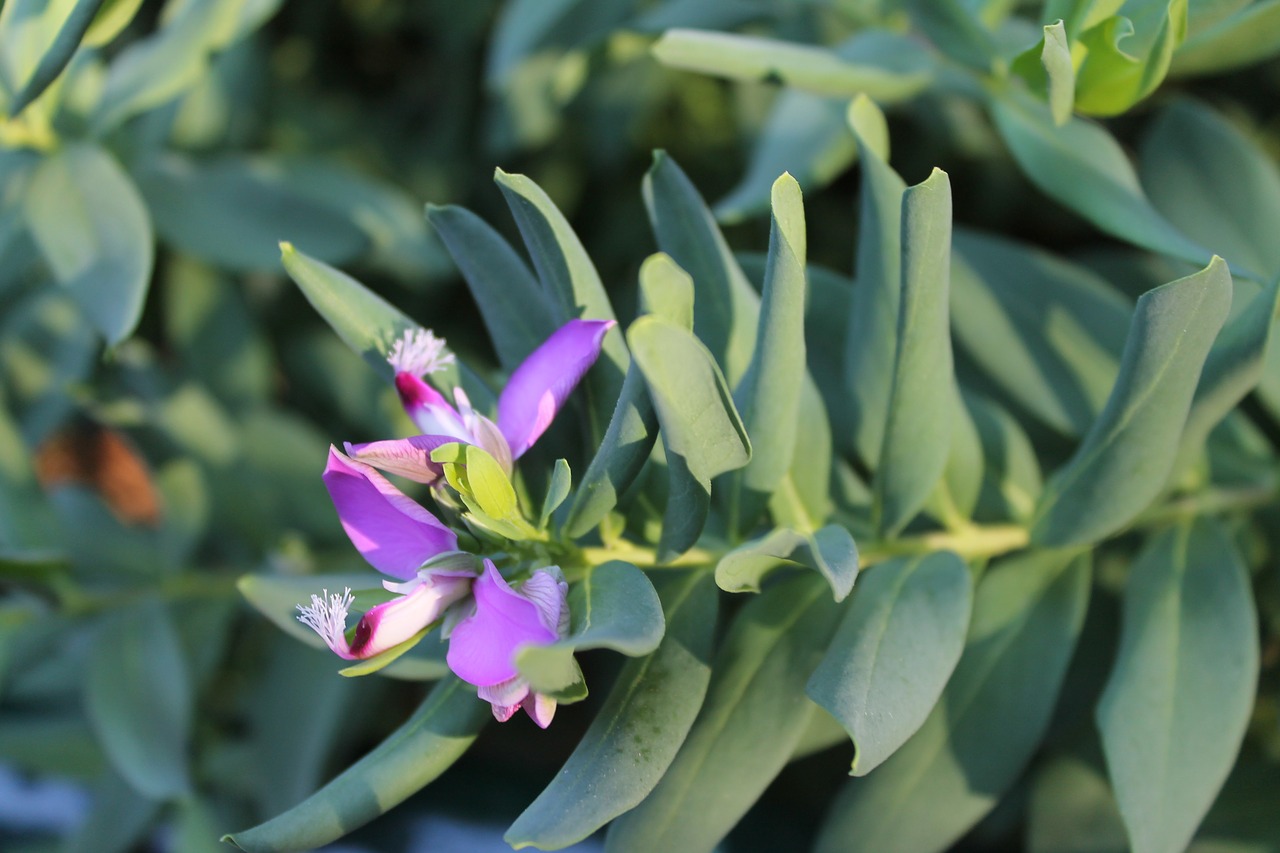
x=391, y=623
x=540, y=385
x=482, y=646
x=389, y=529
x=407, y=457
x=427, y=408
x=540, y=708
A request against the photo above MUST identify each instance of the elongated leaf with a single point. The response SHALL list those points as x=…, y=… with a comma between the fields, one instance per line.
x=138, y=699
x=71, y=32
x=957, y=33
x=666, y=290
x=1232, y=369
x=1081, y=166
x=831, y=552
x=803, y=498
x=1027, y=613
x=614, y=607
x=116, y=823
x=893, y=653
x=637, y=733
x=1011, y=477
x=768, y=397
x=753, y=717
x=366, y=322
x=872, y=339
x=572, y=287
x=1182, y=690
x=797, y=66
x=726, y=308
x=917, y=432
x=94, y=233
x=1048, y=66
x=515, y=312
x=1127, y=57
x=428, y=743
x=1215, y=184
x=1047, y=332
x=700, y=426
x=1250, y=34
x=1127, y=456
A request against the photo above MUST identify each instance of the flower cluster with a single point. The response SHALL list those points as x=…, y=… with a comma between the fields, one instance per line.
x=485, y=618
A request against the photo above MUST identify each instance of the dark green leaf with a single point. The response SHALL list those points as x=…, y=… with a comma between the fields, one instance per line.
x=514, y=310
x=94, y=233
x=1125, y=460
x=982, y=733
x=613, y=607
x=917, y=436
x=754, y=715
x=726, y=308
x=956, y=31
x=138, y=697
x=118, y=820
x=1179, y=699
x=1011, y=477
x=426, y=745
x=894, y=651
x=635, y=736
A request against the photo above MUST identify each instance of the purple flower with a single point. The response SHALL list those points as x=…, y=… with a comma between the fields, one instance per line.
x=483, y=645
x=534, y=394
x=397, y=536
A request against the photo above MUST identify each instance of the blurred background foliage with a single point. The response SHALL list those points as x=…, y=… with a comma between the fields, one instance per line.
x=166, y=396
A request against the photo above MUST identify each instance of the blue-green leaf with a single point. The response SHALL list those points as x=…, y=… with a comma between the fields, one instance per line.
x=831, y=552
x=635, y=736
x=894, y=651
x=1027, y=614
x=917, y=438
x=1176, y=707
x=1247, y=35
x=1125, y=460
x=426, y=745
x=94, y=232
x=69, y=35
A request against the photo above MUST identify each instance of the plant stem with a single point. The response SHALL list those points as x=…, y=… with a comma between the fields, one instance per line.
x=969, y=542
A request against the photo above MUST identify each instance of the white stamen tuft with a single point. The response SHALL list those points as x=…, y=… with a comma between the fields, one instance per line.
x=419, y=352
x=327, y=616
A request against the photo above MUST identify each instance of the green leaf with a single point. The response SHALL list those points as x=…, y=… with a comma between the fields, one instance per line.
x=93, y=230
x=27, y=525
x=754, y=715
x=614, y=607
x=830, y=551
x=1011, y=478
x=1048, y=333
x=365, y=321
x=1232, y=369
x=1250, y=34
x=235, y=211
x=894, y=651
x=70, y=33
x=1072, y=809
x=917, y=434
x=796, y=66
x=726, y=308
x=1113, y=78
x=635, y=736
x=957, y=32
x=701, y=429
x=1217, y=185
x=666, y=290
x=571, y=284
x=768, y=397
x=118, y=820
x=1082, y=166
x=426, y=745
x=806, y=136
x=383, y=659
x=1060, y=73
x=872, y=339
x=1027, y=614
x=803, y=498
x=515, y=312
x=138, y=696
x=557, y=490
x=1125, y=460
x=1182, y=690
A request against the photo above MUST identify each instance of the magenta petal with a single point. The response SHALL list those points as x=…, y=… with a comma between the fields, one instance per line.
x=391, y=623
x=408, y=457
x=427, y=408
x=540, y=385
x=483, y=646
x=540, y=708
x=388, y=528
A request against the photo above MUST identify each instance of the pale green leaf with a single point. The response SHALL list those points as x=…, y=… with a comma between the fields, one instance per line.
x=830, y=551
